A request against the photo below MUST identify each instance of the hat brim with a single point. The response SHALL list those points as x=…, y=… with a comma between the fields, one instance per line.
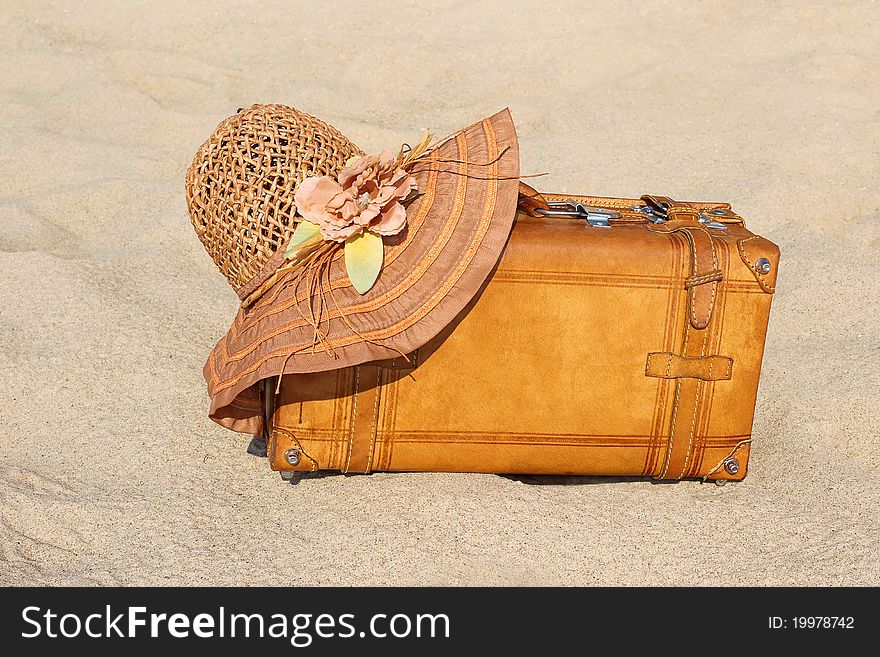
x=455, y=234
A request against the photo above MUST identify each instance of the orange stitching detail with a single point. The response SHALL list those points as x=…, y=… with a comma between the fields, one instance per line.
x=687, y=333
x=740, y=246
x=292, y=437
x=700, y=384
x=705, y=278
x=357, y=380
x=374, y=425
x=747, y=441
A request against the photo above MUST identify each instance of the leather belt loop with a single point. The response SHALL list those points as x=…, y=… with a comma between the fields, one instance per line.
x=364, y=416
x=702, y=284
x=665, y=365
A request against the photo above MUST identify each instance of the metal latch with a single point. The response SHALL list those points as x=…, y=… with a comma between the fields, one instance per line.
x=657, y=211
x=597, y=217
x=654, y=214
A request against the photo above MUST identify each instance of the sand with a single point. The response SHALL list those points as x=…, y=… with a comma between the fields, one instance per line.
x=111, y=472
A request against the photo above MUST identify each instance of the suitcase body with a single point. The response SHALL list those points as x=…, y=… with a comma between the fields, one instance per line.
x=632, y=349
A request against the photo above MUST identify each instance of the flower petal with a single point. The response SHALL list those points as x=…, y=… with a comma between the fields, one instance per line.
x=349, y=211
x=312, y=196
x=367, y=215
x=340, y=234
x=348, y=174
x=392, y=221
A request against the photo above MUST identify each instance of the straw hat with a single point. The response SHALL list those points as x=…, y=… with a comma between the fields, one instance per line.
x=298, y=317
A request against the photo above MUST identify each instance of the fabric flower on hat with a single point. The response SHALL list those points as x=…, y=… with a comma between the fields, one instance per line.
x=363, y=204
x=365, y=196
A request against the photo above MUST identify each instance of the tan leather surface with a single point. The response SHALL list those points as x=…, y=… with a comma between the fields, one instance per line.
x=555, y=367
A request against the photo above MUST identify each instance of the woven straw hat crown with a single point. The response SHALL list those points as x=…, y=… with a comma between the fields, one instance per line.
x=241, y=184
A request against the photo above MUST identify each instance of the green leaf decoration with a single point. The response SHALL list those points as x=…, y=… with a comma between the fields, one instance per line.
x=305, y=232
x=363, y=260
x=350, y=161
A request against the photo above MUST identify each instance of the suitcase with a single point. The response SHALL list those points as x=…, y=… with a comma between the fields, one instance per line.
x=614, y=337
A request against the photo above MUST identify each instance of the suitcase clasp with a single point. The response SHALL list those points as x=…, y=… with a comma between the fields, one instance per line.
x=656, y=210
x=596, y=217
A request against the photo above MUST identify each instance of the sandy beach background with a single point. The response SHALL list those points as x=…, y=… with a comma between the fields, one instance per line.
x=111, y=472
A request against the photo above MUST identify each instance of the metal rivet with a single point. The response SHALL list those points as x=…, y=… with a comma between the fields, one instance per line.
x=731, y=465
x=292, y=456
x=763, y=266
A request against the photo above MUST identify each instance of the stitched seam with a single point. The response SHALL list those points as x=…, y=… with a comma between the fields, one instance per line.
x=652, y=369
x=714, y=285
x=387, y=409
x=668, y=339
x=740, y=246
x=391, y=435
x=705, y=278
x=335, y=423
x=293, y=437
x=672, y=429
x=374, y=425
x=357, y=379
x=710, y=275
x=687, y=334
x=322, y=435
x=693, y=293
x=747, y=441
x=687, y=454
x=387, y=398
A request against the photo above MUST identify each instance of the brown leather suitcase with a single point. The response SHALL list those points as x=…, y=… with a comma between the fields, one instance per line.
x=615, y=337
